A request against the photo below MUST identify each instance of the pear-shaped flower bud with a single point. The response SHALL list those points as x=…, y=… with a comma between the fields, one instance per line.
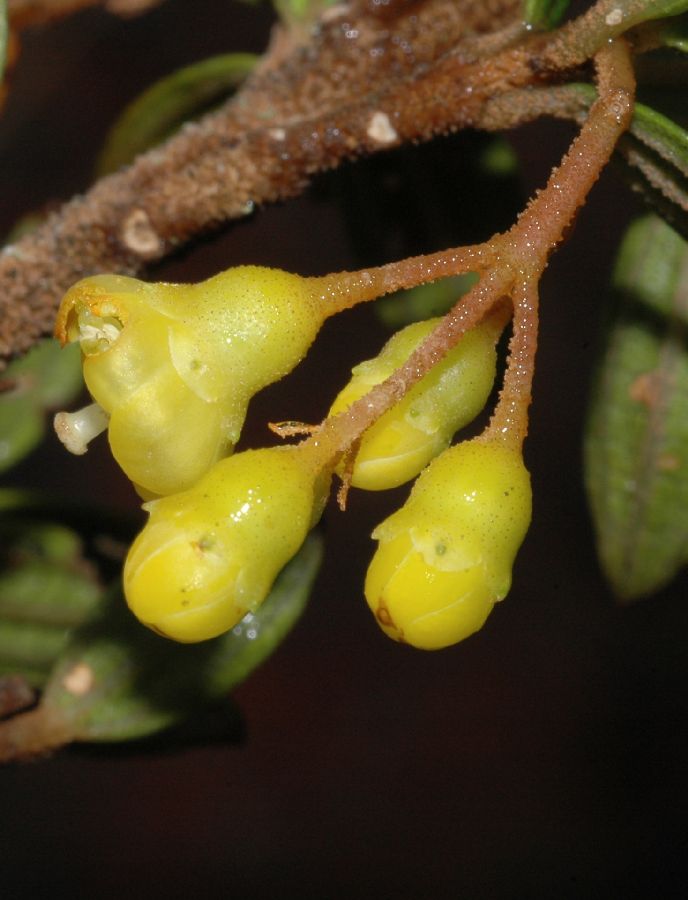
x=421, y=425
x=174, y=366
x=445, y=558
x=209, y=555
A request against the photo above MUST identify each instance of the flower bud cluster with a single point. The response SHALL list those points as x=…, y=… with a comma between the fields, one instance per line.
x=172, y=368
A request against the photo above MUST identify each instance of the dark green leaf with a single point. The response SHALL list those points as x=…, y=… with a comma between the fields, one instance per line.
x=45, y=589
x=118, y=681
x=660, y=134
x=44, y=593
x=40, y=541
x=43, y=379
x=21, y=427
x=163, y=108
x=544, y=14
x=52, y=374
x=32, y=676
x=636, y=448
x=675, y=33
x=654, y=157
x=25, y=644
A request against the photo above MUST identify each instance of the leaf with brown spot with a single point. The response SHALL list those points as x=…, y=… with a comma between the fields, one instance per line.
x=636, y=446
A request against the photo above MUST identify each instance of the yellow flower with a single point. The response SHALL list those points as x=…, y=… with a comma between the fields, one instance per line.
x=209, y=555
x=174, y=366
x=445, y=558
x=404, y=440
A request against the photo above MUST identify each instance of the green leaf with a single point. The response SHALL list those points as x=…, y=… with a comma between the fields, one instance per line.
x=635, y=12
x=31, y=541
x=424, y=301
x=45, y=378
x=636, y=446
x=21, y=427
x=33, y=677
x=46, y=594
x=660, y=8
x=118, y=681
x=544, y=14
x=660, y=134
x=165, y=106
x=25, y=645
x=674, y=33
x=654, y=157
x=52, y=374
x=301, y=12
x=45, y=589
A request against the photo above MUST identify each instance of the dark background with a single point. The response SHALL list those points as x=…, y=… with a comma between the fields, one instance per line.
x=544, y=757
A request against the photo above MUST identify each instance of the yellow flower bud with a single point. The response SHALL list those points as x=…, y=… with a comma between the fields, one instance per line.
x=175, y=366
x=445, y=558
x=404, y=440
x=209, y=555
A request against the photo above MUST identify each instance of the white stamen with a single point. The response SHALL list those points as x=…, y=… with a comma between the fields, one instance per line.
x=77, y=429
x=105, y=332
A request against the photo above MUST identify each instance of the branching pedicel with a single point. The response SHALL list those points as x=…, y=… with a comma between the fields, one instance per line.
x=175, y=366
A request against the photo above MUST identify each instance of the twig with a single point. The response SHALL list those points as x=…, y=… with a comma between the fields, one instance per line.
x=219, y=168
x=509, y=265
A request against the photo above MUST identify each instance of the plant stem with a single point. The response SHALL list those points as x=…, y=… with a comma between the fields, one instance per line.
x=510, y=266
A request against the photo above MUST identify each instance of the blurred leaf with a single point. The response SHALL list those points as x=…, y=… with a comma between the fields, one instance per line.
x=25, y=645
x=662, y=135
x=3, y=36
x=424, y=301
x=301, y=12
x=654, y=9
x=21, y=427
x=636, y=446
x=39, y=541
x=165, y=106
x=45, y=378
x=544, y=14
x=654, y=153
x=499, y=159
x=46, y=588
x=675, y=33
x=25, y=225
x=49, y=372
x=118, y=681
x=13, y=499
x=47, y=594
